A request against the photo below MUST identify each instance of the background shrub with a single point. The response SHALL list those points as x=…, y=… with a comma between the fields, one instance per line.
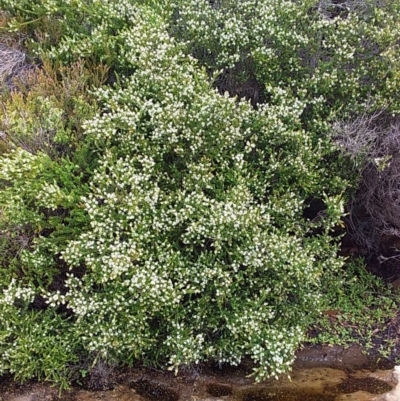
x=372, y=141
x=45, y=110
x=312, y=49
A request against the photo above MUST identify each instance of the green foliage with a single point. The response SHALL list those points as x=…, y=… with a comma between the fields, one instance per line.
x=35, y=344
x=45, y=167
x=67, y=31
x=154, y=219
x=333, y=63
x=358, y=307
x=46, y=109
x=40, y=210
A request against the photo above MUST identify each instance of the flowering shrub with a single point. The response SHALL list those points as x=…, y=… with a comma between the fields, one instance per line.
x=68, y=31
x=327, y=54
x=39, y=211
x=191, y=252
x=171, y=229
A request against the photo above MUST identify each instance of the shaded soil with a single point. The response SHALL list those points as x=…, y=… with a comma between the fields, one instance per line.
x=385, y=264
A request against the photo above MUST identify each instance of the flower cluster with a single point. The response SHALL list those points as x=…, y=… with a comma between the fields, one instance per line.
x=15, y=293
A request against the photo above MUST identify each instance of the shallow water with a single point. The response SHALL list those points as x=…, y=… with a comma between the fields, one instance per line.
x=323, y=384
x=350, y=385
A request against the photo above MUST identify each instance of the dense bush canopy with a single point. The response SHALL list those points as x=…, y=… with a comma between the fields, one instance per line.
x=160, y=161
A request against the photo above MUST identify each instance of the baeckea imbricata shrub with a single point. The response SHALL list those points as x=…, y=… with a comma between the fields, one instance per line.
x=191, y=243
x=167, y=224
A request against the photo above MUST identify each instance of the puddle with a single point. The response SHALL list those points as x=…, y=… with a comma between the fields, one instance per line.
x=218, y=390
x=368, y=384
x=348, y=386
x=153, y=391
x=323, y=385
x=286, y=396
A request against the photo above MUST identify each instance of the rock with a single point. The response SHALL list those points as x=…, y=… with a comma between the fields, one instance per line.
x=332, y=357
x=393, y=395
x=357, y=396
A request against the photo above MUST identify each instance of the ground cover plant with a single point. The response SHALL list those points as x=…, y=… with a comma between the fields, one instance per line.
x=158, y=170
x=358, y=309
